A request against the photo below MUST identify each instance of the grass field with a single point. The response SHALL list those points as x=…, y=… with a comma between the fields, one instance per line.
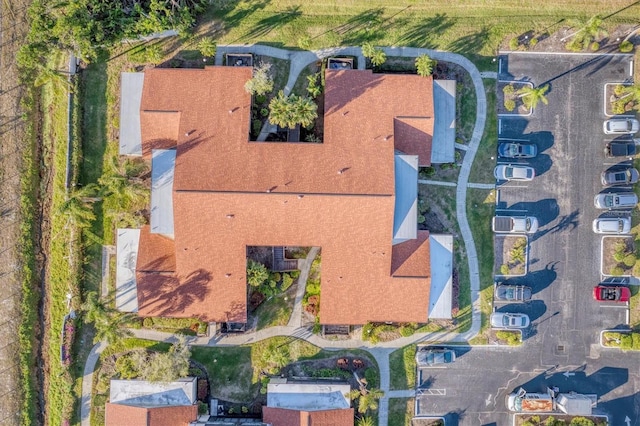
x=401, y=411
x=485, y=160
x=466, y=26
x=402, y=366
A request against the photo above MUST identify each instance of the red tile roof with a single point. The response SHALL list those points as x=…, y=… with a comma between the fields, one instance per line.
x=285, y=417
x=411, y=258
x=127, y=415
x=230, y=193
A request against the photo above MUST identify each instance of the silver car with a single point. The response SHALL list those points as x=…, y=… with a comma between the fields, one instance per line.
x=625, y=176
x=427, y=356
x=514, y=172
x=621, y=126
x=509, y=320
x=621, y=200
x=612, y=225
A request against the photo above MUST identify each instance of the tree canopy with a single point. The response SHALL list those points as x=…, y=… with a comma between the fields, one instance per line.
x=531, y=96
x=425, y=65
x=287, y=111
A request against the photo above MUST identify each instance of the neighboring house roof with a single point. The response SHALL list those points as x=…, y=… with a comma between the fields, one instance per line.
x=230, y=193
x=125, y=415
x=127, y=243
x=130, y=139
x=308, y=396
x=151, y=394
x=285, y=417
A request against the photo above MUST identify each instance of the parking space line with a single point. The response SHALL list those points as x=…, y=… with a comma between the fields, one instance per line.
x=499, y=125
x=511, y=211
x=513, y=139
x=438, y=392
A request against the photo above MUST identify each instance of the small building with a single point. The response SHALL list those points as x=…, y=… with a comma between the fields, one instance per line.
x=143, y=403
x=302, y=404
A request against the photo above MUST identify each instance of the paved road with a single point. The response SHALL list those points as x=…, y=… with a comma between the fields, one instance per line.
x=564, y=256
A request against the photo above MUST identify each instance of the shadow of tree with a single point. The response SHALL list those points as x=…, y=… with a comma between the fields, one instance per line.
x=472, y=43
x=266, y=25
x=237, y=12
x=423, y=33
x=341, y=91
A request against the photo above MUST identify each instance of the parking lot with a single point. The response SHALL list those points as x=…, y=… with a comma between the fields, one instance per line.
x=564, y=255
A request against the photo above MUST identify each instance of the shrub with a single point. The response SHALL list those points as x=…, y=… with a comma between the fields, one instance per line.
x=264, y=112
x=619, y=107
x=619, y=256
x=574, y=45
x=619, y=90
x=405, y=330
x=504, y=269
x=508, y=89
x=514, y=44
x=367, y=331
x=421, y=218
x=371, y=376
x=304, y=42
x=294, y=274
x=317, y=327
x=636, y=268
x=594, y=46
x=509, y=104
x=147, y=322
x=260, y=99
x=626, y=46
x=512, y=338
x=616, y=271
x=427, y=171
x=629, y=260
x=126, y=368
x=581, y=421
x=207, y=46
x=203, y=407
x=626, y=341
x=261, y=83
x=286, y=281
x=533, y=42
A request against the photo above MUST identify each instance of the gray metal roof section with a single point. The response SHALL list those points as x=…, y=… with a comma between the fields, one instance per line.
x=126, y=257
x=142, y=393
x=444, y=127
x=405, y=212
x=130, y=99
x=163, y=164
x=441, y=253
x=308, y=397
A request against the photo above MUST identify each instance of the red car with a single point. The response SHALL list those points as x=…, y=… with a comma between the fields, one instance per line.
x=607, y=293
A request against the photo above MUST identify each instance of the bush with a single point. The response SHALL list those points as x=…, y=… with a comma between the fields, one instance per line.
x=619, y=256
x=512, y=338
x=509, y=104
x=581, y=421
x=264, y=112
x=405, y=330
x=514, y=44
x=508, y=89
x=260, y=99
x=256, y=126
x=427, y=171
x=367, y=331
x=619, y=90
x=626, y=46
x=286, y=281
x=371, y=375
x=504, y=269
x=304, y=42
x=574, y=46
x=261, y=83
x=126, y=368
x=533, y=42
x=421, y=218
x=629, y=260
x=147, y=322
x=616, y=271
x=636, y=268
x=203, y=407
x=207, y=46
x=594, y=46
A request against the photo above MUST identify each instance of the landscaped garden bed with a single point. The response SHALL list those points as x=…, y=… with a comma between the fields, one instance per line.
x=621, y=339
x=618, y=100
x=505, y=337
x=558, y=420
x=618, y=256
x=511, y=255
x=510, y=101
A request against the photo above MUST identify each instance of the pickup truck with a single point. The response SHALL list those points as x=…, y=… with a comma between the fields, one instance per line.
x=515, y=225
x=512, y=293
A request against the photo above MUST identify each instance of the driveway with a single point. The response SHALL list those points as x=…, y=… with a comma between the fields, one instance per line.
x=564, y=254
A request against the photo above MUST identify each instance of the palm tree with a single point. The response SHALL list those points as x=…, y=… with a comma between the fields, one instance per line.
x=287, y=111
x=122, y=184
x=424, y=65
x=78, y=207
x=367, y=398
x=375, y=55
x=365, y=421
x=588, y=32
x=531, y=96
x=110, y=324
x=634, y=93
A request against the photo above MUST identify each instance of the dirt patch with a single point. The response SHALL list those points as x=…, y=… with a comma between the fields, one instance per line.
x=618, y=255
x=546, y=41
x=337, y=368
x=261, y=254
x=13, y=27
x=510, y=255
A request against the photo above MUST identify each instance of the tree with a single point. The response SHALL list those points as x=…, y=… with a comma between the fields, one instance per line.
x=633, y=92
x=78, y=207
x=122, y=183
x=588, y=32
x=275, y=357
x=109, y=323
x=207, y=46
x=425, y=65
x=531, y=96
x=287, y=111
x=375, y=55
x=169, y=366
x=365, y=421
x=261, y=82
x=367, y=398
x=257, y=273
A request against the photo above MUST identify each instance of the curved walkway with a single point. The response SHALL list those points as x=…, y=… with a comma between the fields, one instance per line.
x=298, y=61
x=87, y=382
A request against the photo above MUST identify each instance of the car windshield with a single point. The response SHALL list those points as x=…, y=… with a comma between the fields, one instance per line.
x=508, y=172
x=608, y=201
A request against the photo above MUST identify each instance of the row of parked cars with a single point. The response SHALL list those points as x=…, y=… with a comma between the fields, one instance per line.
x=515, y=150
x=616, y=177
x=616, y=289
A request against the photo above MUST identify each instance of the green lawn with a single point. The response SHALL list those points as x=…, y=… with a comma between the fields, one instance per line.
x=401, y=411
x=466, y=26
x=274, y=311
x=485, y=159
x=402, y=367
x=229, y=370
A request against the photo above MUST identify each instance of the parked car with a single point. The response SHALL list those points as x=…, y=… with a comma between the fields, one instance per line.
x=509, y=320
x=621, y=126
x=432, y=356
x=621, y=148
x=514, y=172
x=626, y=176
x=512, y=293
x=517, y=150
x=612, y=225
x=515, y=225
x=620, y=200
x=608, y=293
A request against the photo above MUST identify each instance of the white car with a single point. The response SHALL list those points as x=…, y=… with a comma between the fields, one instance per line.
x=612, y=225
x=621, y=200
x=621, y=126
x=509, y=320
x=514, y=172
